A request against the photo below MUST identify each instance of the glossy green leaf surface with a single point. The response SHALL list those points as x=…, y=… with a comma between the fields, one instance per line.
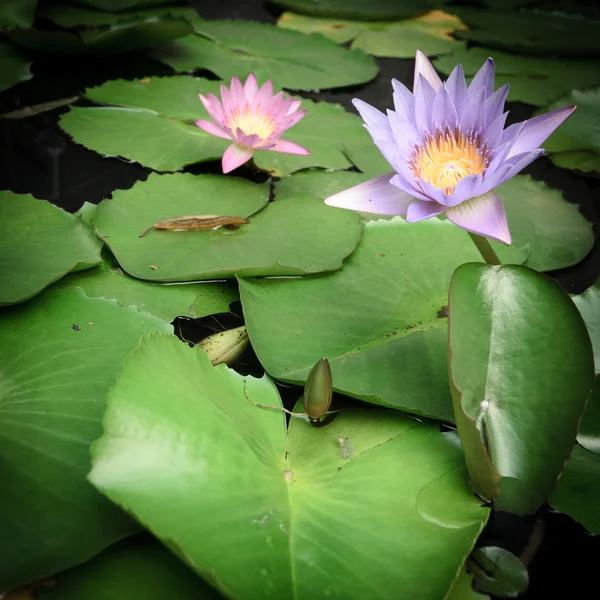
x=463, y=589
x=17, y=13
x=293, y=237
x=179, y=436
x=588, y=304
x=139, y=568
x=429, y=32
x=589, y=428
x=521, y=365
x=498, y=571
x=533, y=79
x=14, y=66
x=195, y=300
x=578, y=488
x=152, y=122
x=60, y=353
x=39, y=243
x=586, y=161
x=357, y=9
x=291, y=59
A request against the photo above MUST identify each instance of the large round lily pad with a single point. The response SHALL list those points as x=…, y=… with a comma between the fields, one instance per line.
x=430, y=32
x=60, y=353
x=533, y=79
x=292, y=60
x=207, y=471
x=39, y=243
x=292, y=237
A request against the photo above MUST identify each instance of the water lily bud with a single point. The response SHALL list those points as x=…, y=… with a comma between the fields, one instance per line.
x=318, y=391
x=226, y=346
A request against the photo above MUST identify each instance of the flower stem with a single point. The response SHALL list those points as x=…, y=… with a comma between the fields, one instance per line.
x=485, y=249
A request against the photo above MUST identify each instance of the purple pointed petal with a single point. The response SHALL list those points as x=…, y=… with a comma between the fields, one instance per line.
x=376, y=122
x=518, y=163
x=468, y=187
x=432, y=192
x=403, y=131
x=391, y=153
x=494, y=131
x=483, y=215
x=424, y=98
x=443, y=113
x=235, y=156
x=473, y=115
x=404, y=101
x=420, y=211
x=400, y=181
x=373, y=196
x=424, y=68
x=483, y=82
x=494, y=106
x=500, y=154
x=213, y=129
x=288, y=147
x=457, y=88
x=536, y=130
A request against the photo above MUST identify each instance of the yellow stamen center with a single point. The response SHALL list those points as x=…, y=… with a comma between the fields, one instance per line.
x=252, y=122
x=446, y=158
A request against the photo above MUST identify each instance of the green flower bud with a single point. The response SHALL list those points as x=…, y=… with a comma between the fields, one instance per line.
x=318, y=391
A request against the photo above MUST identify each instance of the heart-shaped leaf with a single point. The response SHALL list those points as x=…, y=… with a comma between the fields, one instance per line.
x=207, y=471
x=521, y=365
x=139, y=568
x=430, y=32
x=533, y=79
x=291, y=59
x=291, y=237
x=195, y=300
x=14, y=67
x=578, y=489
x=60, y=353
x=39, y=243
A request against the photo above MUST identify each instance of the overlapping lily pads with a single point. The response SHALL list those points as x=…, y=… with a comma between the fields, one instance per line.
x=195, y=300
x=152, y=123
x=39, y=243
x=180, y=435
x=510, y=456
x=139, y=568
x=580, y=133
x=60, y=353
x=293, y=60
x=14, y=66
x=290, y=237
x=430, y=32
x=535, y=80
x=357, y=9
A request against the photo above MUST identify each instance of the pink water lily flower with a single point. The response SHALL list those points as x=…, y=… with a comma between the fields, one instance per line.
x=449, y=150
x=253, y=118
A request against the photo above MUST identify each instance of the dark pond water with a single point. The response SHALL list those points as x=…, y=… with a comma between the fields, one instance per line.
x=37, y=158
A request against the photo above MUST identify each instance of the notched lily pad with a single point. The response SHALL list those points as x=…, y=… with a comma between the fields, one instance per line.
x=180, y=435
x=40, y=243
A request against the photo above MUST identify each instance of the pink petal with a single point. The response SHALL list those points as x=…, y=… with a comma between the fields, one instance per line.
x=213, y=107
x=483, y=215
x=292, y=119
x=425, y=68
x=250, y=88
x=295, y=106
x=264, y=93
x=420, y=211
x=289, y=148
x=236, y=90
x=377, y=196
x=213, y=129
x=536, y=130
x=235, y=156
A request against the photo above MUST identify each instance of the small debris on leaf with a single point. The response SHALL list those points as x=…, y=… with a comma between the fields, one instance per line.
x=197, y=222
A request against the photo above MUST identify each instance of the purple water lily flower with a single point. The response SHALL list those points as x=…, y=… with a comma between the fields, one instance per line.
x=449, y=150
x=253, y=118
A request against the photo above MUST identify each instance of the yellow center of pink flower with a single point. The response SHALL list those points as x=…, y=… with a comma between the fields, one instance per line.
x=446, y=158
x=252, y=122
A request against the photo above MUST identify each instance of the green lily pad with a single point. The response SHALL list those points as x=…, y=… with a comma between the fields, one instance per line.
x=166, y=302
x=429, y=32
x=535, y=80
x=585, y=161
x=578, y=489
x=116, y=5
x=139, y=568
x=122, y=37
x=463, y=589
x=357, y=9
x=531, y=31
x=14, y=67
x=39, y=243
x=293, y=60
x=502, y=352
x=581, y=131
x=318, y=184
x=153, y=114
x=180, y=435
x=17, y=13
x=292, y=237
x=498, y=571
x=60, y=353
x=588, y=304
x=589, y=428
